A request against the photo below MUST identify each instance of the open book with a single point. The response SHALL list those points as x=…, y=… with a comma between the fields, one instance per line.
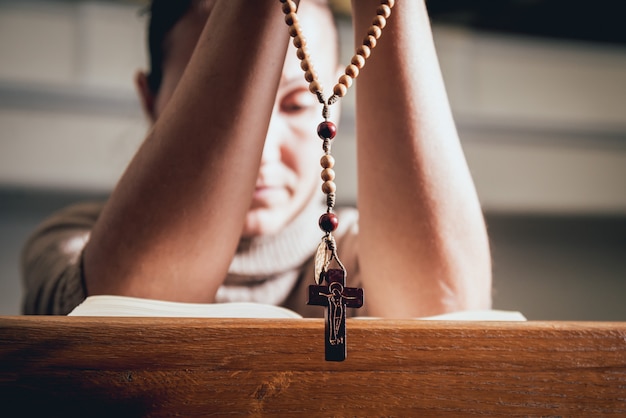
x=128, y=306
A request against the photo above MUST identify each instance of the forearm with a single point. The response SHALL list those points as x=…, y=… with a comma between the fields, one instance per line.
x=422, y=238
x=172, y=225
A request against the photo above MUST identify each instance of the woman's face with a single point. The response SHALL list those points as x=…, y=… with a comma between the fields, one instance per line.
x=289, y=174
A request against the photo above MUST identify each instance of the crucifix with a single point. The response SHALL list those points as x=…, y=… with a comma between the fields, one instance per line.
x=336, y=297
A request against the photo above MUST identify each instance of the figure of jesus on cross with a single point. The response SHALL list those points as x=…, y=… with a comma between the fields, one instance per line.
x=336, y=297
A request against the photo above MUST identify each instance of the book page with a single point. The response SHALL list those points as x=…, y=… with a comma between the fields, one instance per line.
x=104, y=305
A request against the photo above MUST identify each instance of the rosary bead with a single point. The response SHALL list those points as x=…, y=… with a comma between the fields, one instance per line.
x=364, y=51
x=294, y=30
x=375, y=31
x=315, y=86
x=289, y=6
x=358, y=60
x=291, y=18
x=328, y=174
x=328, y=222
x=352, y=71
x=299, y=41
x=327, y=161
x=326, y=130
x=329, y=187
x=310, y=75
x=340, y=90
x=302, y=53
x=384, y=11
x=346, y=80
x=379, y=21
x=370, y=41
x=389, y=3
x=305, y=64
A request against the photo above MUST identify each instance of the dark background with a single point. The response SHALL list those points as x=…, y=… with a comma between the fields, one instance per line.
x=600, y=21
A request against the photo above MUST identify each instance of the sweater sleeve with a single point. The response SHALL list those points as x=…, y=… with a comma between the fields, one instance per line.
x=52, y=261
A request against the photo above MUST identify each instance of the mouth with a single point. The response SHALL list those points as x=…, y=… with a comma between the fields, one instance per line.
x=266, y=195
x=262, y=189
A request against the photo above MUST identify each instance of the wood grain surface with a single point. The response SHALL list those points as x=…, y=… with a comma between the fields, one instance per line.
x=77, y=366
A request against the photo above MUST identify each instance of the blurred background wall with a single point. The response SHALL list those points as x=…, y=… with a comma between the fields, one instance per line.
x=538, y=89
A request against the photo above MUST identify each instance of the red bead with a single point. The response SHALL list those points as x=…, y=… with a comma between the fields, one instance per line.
x=328, y=222
x=326, y=130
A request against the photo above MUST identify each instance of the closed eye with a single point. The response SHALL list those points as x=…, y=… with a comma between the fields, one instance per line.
x=298, y=101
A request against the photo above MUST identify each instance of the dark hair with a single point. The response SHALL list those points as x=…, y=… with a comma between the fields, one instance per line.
x=164, y=14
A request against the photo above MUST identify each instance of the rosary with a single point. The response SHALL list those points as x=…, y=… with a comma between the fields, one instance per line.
x=333, y=294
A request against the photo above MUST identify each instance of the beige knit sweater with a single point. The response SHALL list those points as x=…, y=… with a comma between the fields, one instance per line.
x=269, y=269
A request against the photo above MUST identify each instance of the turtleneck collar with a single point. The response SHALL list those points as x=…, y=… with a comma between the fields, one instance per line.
x=267, y=255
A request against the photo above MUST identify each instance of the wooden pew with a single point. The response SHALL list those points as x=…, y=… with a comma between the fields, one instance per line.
x=79, y=366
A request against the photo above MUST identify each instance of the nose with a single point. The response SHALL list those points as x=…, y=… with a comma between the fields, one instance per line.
x=273, y=140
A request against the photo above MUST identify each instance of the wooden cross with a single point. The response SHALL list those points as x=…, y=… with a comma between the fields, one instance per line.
x=336, y=297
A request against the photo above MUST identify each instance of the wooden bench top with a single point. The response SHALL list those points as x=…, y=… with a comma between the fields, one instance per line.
x=81, y=366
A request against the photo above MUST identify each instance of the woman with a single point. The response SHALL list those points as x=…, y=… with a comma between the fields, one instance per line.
x=218, y=203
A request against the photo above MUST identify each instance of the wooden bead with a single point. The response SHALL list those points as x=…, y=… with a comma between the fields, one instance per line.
x=305, y=64
x=326, y=130
x=352, y=71
x=358, y=60
x=328, y=174
x=389, y=3
x=384, y=11
x=346, y=80
x=364, y=51
x=315, y=86
x=289, y=6
x=379, y=21
x=294, y=30
x=291, y=18
x=329, y=187
x=375, y=31
x=310, y=75
x=302, y=53
x=369, y=41
x=327, y=161
x=299, y=41
x=340, y=90
x=328, y=222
